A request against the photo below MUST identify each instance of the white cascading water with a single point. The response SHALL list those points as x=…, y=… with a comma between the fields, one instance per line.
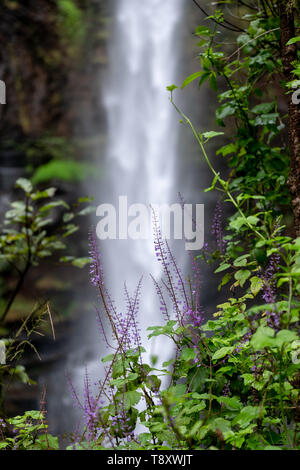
x=140, y=163
x=142, y=129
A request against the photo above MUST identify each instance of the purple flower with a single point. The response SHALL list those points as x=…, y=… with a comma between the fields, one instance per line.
x=269, y=295
x=226, y=390
x=96, y=269
x=216, y=229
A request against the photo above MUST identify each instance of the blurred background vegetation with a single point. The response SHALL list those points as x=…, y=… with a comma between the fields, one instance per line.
x=52, y=61
x=53, y=132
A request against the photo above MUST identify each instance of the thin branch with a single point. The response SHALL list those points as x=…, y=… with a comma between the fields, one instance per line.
x=251, y=40
x=228, y=25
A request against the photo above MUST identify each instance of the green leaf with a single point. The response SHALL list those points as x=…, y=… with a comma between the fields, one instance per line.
x=237, y=223
x=225, y=111
x=227, y=150
x=47, y=441
x=178, y=390
x=285, y=336
x=167, y=363
x=232, y=403
x=262, y=338
x=263, y=108
x=171, y=87
x=188, y=354
x=241, y=261
x=131, y=398
x=108, y=358
x=223, y=425
x=246, y=416
x=81, y=262
x=50, y=192
x=20, y=372
x=24, y=184
x=70, y=229
x=225, y=280
x=248, y=379
x=252, y=220
x=213, y=81
x=222, y=267
x=266, y=119
x=242, y=276
x=213, y=184
x=191, y=78
x=64, y=170
x=256, y=285
x=85, y=199
x=211, y=134
x=68, y=217
x=293, y=41
x=196, y=408
x=87, y=210
x=222, y=352
x=51, y=205
x=202, y=31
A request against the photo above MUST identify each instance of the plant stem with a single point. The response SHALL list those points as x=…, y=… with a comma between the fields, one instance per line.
x=217, y=176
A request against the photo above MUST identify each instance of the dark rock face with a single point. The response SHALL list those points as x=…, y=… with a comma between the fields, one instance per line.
x=31, y=69
x=52, y=92
x=49, y=69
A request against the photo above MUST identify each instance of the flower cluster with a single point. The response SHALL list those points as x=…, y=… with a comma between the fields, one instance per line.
x=269, y=294
x=216, y=229
x=183, y=293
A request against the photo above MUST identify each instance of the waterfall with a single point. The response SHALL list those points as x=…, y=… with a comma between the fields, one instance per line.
x=142, y=127
x=140, y=162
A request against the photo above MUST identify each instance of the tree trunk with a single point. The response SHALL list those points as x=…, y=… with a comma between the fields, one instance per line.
x=289, y=55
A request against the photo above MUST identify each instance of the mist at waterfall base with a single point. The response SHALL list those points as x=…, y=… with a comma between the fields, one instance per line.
x=144, y=160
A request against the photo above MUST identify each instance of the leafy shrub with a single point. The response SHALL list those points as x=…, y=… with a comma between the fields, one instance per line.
x=26, y=432
x=234, y=380
x=28, y=236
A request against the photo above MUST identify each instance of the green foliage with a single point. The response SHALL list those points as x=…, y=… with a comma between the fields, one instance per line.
x=233, y=382
x=227, y=389
x=70, y=23
x=28, y=236
x=48, y=147
x=259, y=161
x=63, y=170
x=29, y=432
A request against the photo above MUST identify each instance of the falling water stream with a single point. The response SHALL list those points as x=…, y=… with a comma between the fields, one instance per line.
x=140, y=159
x=142, y=129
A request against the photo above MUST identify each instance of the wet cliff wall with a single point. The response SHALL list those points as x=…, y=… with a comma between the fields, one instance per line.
x=50, y=59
